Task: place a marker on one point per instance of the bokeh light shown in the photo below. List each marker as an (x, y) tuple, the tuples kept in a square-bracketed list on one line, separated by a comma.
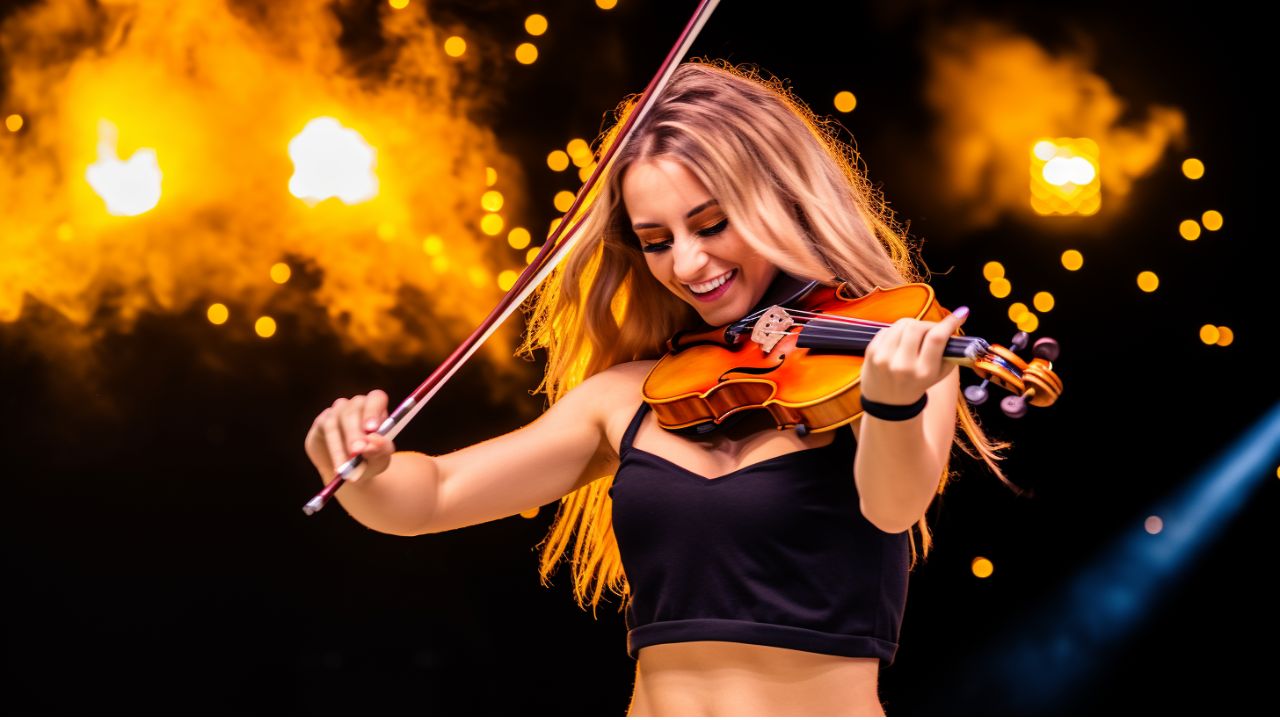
[(1209, 334), (519, 238), (579, 151), (993, 270), (845, 101), (280, 273), (13, 123), (1072, 260), (507, 279), (526, 53), (1043, 301), (1189, 229), (491, 201), (558, 160), (535, 24), (564, 200), (265, 326), (1017, 310), (1193, 168), (982, 567), (606, 4), (1001, 287), (1153, 524), (455, 46), (217, 313), (1148, 281), (1225, 336), (1212, 220), (491, 224)]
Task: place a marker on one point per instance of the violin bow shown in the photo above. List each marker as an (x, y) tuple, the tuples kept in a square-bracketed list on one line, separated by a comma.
[(546, 260)]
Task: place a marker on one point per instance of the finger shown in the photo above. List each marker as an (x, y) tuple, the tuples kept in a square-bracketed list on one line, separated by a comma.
[(956, 318), (933, 346), (333, 434), (315, 446), (375, 409), (883, 344), (351, 418), (378, 454), (908, 350)]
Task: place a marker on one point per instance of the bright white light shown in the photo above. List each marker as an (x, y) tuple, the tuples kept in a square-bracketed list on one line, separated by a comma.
[(1060, 171), (129, 188), (330, 160), (1044, 150)]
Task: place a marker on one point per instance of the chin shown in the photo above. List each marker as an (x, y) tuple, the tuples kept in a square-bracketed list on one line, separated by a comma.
[(720, 316)]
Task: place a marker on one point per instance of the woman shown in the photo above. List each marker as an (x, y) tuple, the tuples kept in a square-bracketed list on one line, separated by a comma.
[(768, 567)]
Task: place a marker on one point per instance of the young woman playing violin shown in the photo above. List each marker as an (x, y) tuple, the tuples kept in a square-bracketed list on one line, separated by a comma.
[(763, 570)]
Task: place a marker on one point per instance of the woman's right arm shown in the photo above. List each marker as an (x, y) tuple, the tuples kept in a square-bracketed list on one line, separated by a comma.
[(563, 449)]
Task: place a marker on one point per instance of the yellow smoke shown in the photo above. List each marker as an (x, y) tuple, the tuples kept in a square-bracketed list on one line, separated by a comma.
[(996, 93), (217, 91)]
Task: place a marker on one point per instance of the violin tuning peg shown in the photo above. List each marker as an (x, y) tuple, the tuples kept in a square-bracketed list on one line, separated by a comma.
[(1019, 341), (976, 394), (1046, 348), (802, 429), (1015, 406)]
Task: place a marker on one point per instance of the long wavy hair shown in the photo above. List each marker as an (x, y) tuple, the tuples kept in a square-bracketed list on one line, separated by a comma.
[(793, 190)]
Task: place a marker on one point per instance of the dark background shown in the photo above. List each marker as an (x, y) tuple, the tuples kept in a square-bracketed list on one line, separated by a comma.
[(156, 560)]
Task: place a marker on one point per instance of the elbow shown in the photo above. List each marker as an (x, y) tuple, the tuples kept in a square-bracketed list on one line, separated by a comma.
[(886, 522)]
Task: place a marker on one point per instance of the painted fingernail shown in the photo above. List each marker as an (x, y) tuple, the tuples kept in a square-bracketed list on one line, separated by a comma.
[(372, 424), (962, 311)]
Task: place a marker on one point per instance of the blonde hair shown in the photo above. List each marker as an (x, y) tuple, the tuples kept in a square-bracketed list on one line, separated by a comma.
[(793, 191)]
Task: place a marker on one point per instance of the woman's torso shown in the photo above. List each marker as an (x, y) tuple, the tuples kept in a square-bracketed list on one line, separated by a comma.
[(732, 678)]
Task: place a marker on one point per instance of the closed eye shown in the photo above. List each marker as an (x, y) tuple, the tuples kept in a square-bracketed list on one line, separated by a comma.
[(705, 232)]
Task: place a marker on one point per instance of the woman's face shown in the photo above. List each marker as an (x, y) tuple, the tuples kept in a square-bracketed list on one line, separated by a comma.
[(689, 244)]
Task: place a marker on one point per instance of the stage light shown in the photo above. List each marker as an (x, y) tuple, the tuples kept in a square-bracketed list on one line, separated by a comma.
[(1065, 177)]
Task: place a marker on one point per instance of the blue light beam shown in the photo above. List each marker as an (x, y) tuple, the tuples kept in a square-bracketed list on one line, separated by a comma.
[(1046, 655)]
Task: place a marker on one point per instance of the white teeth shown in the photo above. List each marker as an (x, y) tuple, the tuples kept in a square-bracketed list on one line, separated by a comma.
[(712, 285)]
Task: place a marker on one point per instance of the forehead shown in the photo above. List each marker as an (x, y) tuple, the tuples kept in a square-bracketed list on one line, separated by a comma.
[(661, 186)]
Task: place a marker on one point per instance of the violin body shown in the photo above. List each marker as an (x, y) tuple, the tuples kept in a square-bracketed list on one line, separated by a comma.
[(805, 370)]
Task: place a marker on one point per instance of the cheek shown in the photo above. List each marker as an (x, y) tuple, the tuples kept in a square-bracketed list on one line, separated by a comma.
[(656, 267)]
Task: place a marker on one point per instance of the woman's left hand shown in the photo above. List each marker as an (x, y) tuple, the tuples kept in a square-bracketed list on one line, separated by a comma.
[(904, 360)]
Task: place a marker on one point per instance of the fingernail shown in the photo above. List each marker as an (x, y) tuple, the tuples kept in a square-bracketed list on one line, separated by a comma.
[(372, 424), (962, 311)]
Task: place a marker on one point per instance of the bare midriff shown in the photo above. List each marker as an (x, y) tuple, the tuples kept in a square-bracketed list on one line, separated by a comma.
[(729, 678)]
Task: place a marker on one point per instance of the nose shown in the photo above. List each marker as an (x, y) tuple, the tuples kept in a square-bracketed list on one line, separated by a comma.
[(689, 258)]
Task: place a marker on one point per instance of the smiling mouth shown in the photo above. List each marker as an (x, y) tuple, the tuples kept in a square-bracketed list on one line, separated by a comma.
[(717, 291)]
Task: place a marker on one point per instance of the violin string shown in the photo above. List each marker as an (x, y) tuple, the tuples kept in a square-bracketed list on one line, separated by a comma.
[(955, 343), (805, 316)]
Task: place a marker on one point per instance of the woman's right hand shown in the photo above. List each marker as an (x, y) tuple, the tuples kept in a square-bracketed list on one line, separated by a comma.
[(346, 429)]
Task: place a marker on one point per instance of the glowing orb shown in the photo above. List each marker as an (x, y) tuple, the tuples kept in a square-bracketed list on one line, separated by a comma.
[(329, 161), (130, 187)]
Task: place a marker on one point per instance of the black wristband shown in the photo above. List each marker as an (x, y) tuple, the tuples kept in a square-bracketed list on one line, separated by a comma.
[(885, 411)]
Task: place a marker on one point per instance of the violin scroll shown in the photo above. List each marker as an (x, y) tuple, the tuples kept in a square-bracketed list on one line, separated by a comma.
[(1032, 382)]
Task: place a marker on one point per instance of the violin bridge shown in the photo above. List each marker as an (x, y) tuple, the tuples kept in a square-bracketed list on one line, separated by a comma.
[(773, 325)]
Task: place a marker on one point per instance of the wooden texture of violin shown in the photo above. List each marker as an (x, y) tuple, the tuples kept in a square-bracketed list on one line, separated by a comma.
[(708, 376)]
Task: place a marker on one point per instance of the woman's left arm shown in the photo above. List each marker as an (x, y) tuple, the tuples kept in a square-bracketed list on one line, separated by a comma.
[(899, 463)]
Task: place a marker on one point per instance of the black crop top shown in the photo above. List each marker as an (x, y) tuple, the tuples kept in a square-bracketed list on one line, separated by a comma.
[(776, 553)]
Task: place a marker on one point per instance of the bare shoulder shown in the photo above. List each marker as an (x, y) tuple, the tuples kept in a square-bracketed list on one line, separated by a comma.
[(619, 397)]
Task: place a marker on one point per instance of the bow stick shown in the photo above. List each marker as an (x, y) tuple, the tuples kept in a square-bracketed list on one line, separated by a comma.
[(533, 275)]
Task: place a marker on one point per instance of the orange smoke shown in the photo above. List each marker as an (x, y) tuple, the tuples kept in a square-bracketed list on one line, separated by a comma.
[(211, 94), (996, 93)]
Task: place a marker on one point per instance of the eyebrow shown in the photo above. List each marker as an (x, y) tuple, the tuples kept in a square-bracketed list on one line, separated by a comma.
[(691, 213)]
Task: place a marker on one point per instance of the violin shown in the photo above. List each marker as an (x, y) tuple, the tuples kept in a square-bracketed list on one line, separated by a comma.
[(800, 359)]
